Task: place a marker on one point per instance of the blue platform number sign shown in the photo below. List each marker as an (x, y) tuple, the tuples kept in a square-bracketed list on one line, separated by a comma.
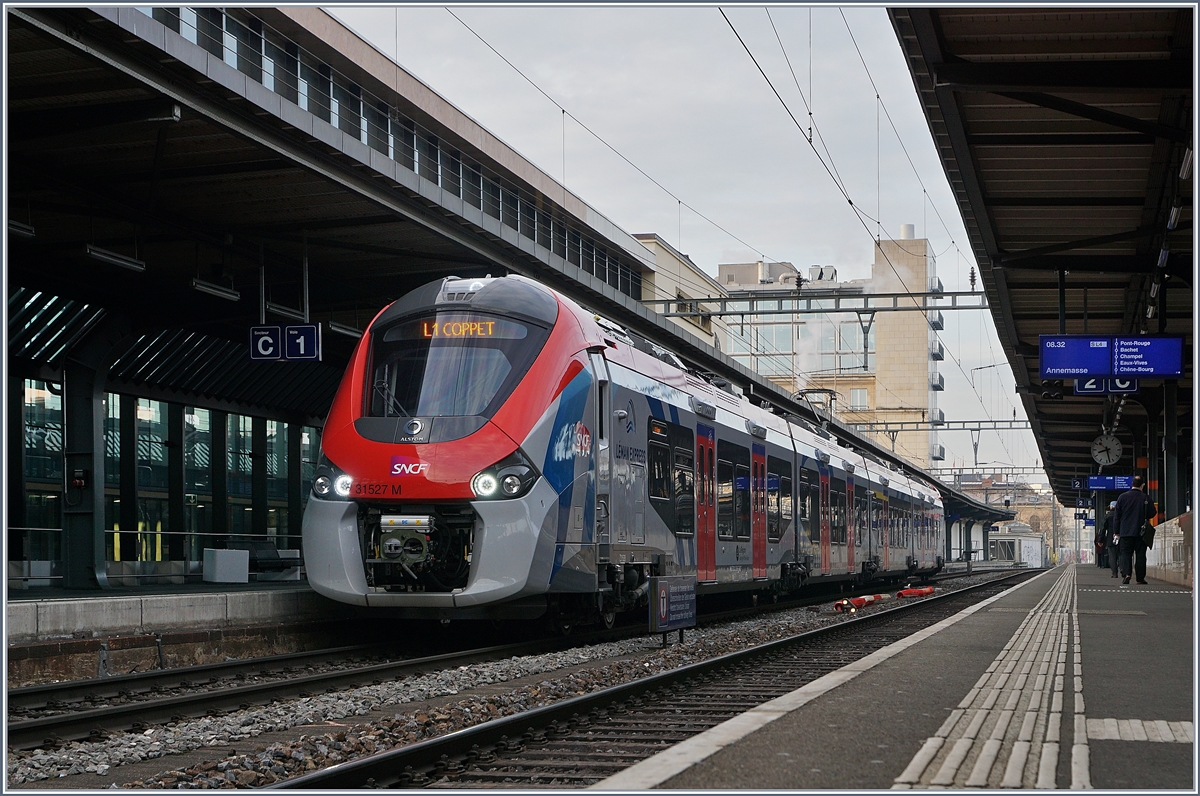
[(1148, 357), (299, 343), (1078, 483), (266, 343), (302, 342), (672, 603), (1083, 503), (1094, 385), (1074, 356), (1081, 515)]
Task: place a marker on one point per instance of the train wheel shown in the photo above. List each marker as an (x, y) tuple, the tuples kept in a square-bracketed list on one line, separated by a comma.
[(754, 600), (608, 618), (562, 626)]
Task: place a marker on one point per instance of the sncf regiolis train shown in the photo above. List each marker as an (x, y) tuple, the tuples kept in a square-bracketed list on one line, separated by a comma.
[(496, 451)]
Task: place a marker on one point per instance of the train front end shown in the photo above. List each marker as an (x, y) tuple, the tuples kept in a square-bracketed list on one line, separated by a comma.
[(432, 492)]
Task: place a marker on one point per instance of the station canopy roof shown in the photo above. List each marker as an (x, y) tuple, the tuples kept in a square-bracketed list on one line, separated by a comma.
[(1063, 133)]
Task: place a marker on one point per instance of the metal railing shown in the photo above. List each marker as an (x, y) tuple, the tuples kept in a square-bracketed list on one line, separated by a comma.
[(264, 55)]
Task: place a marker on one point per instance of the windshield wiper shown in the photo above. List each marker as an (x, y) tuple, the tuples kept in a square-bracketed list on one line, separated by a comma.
[(392, 401)]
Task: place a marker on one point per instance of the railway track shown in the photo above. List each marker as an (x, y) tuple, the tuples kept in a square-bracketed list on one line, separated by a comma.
[(580, 741), (47, 715)]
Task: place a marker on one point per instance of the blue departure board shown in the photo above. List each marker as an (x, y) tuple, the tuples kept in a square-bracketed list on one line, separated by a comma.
[(1074, 355), (1147, 357)]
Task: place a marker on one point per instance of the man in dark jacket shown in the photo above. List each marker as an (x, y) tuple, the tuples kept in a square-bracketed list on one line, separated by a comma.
[(1112, 540), (1133, 509)]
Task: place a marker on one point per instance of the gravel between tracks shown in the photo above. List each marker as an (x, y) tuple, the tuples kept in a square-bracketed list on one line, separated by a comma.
[(588, 669)]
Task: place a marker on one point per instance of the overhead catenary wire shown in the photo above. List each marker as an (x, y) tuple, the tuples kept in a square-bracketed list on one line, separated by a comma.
[(832, 174), (599, 138)]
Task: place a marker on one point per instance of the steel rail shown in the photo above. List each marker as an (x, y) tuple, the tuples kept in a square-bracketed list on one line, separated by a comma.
[(410, 765)]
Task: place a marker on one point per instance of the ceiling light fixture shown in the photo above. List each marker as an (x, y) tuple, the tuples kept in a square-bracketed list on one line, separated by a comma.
[(1163, 254), (286, 312), (114, 258), (19, 229), (342, 328), (1176, 212), (1185, 169), (220, 291)]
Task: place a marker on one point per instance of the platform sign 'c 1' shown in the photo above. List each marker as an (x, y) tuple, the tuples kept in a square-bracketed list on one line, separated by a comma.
[(296, 343)]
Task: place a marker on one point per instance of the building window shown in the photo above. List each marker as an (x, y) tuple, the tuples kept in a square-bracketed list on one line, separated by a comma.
[(858, 399)]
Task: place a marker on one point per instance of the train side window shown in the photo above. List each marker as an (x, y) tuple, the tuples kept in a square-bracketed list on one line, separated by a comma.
[(660, 471), (860, 516), (741, 501), (837, 506), (724, 499), (785, 504), (685, 501), (773, 510), (809, 506)]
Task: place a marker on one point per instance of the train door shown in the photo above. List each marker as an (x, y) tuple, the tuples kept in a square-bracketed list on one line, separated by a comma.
[(603, 424), (706, 506), (885, 528), (851, 523), (826, 553), (758, 509)]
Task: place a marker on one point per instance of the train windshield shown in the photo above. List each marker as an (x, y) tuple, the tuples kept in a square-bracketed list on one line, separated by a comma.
[(450, 364)]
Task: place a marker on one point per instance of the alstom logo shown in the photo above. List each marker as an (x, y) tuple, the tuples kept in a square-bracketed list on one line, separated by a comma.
[(402, 465)]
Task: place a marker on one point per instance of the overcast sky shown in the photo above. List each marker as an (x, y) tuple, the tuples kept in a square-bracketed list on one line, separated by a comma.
[(673, 90)]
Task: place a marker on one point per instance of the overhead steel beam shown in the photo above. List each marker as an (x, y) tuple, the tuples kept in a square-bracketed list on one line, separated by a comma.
[(820, 303), (944, 425), (983, 469), (1066, 201), (1060, 139), (1082, 243), (1056, 75), (1095, 114)]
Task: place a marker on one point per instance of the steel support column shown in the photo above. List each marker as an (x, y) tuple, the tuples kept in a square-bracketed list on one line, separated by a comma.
[(176, 484), (258, 476), (127, 513), (1173, 503), (84, 413), (219, 461), (295, 489), (15, 462)]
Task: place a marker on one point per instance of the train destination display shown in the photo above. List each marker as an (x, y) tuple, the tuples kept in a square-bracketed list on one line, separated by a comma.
[(1119, 483), (1084, 357)]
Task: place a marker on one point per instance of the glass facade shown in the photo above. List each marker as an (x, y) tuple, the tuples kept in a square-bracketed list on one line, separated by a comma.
[(148, 544)]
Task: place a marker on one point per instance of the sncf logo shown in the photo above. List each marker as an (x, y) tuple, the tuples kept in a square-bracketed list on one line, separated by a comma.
[(571, 441), (402, 465)]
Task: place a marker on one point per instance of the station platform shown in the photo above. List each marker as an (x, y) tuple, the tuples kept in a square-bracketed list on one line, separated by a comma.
[(58, 634), (1070, 680)]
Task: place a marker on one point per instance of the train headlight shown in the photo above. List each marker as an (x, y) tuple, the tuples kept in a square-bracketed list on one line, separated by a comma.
[(330, 482), (484, 485), (511, 477)]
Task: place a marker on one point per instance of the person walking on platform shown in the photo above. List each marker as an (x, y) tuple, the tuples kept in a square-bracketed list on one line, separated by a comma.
[(1112, 539), (1133, 509), (1100, 546)]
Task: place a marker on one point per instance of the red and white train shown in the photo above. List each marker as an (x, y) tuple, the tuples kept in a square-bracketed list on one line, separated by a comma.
[(495, 450)]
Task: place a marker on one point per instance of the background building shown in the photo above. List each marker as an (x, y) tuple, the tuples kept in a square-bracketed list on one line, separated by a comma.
[(878, 367), (676, 276)]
